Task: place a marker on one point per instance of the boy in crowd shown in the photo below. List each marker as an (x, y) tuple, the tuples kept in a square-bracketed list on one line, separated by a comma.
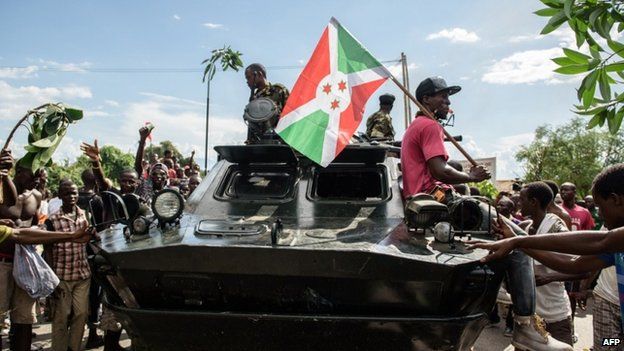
[(597, 250), (552, 302), (70, 300)]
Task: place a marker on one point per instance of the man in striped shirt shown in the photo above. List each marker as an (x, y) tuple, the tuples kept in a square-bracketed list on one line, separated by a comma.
[(69, 262)]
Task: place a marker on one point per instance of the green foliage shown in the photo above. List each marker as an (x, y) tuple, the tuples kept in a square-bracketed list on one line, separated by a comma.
[(486, 188), (229, 59), (113, 161), (570, 153), (590, 19), (46, 126)]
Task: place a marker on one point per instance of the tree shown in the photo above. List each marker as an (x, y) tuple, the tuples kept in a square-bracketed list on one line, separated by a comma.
[(229, 59), (593, 22), (570, 153)]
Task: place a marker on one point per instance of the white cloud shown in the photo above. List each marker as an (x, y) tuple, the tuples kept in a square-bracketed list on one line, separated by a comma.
[(171, 99), (212, 25), (19, 72), (455, 35), (397, 71), (15, 101), (96, 113), (43, 65), (564, 35), (112, 103), (524, 67), (65, 67), (532, 66), (176, 17)]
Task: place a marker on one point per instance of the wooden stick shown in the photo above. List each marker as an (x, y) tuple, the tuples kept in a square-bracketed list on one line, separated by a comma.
[(8, 141), (430, 115)]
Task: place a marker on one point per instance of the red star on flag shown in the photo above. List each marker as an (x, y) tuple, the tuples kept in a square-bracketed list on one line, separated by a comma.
[(335, 104), (342, 85), (326, 88)]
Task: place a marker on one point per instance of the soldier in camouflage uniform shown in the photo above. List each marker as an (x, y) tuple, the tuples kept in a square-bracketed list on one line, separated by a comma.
[(379, 124), (255, 74)]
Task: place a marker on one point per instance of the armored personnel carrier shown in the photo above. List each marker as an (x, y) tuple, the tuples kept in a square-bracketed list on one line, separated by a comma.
[(273, 252)]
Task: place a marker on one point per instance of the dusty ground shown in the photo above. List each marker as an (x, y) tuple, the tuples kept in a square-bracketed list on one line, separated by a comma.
[(491, 338)]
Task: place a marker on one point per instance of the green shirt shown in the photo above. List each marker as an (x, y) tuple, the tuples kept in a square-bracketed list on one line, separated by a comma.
[(597, 220), (5, 232)]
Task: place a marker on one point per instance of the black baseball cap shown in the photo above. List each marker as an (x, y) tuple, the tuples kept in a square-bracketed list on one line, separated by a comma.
[(433, 85)]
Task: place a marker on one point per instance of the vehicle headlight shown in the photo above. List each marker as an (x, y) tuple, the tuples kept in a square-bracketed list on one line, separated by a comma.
[(140, 225), (167, 205), (443, 232)]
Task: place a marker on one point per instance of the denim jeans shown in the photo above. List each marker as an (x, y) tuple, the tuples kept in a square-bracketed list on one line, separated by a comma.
[(521, 279)]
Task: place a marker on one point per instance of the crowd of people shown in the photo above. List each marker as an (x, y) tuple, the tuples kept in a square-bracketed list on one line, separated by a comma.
[(30, 214), (532, 224), (544, 283)]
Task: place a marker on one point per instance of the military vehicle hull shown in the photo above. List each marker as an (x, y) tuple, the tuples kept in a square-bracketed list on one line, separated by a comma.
[(301, 265)]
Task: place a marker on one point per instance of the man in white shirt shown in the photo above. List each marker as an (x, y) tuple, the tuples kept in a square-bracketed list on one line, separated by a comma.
[(552, 302)]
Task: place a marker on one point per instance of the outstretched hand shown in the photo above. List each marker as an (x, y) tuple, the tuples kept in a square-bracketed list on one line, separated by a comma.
[(83, 235), (91, 151), (501, 229), (498, 249), (8, 223)]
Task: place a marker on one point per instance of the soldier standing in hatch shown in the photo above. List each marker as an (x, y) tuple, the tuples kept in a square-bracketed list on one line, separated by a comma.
[(255, 74), (379, 124)]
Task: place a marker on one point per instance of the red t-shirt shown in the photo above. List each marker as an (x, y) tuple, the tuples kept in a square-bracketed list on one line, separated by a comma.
[(171, 173), (423, 140), (581, 218)]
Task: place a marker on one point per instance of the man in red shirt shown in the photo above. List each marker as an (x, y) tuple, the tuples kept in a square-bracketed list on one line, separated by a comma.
[(425, 169), (423, 155), (581, 217)]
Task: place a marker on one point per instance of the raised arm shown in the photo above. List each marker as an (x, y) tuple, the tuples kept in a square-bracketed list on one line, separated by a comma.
[(569, 265), (138, 159), (9, 192), (190, 164), (93, 153)]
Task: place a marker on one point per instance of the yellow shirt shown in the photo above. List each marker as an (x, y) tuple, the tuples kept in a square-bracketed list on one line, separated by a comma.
[(5, 232)]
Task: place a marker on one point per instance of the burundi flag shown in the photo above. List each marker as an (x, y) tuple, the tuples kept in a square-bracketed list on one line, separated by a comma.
[(326, 104)]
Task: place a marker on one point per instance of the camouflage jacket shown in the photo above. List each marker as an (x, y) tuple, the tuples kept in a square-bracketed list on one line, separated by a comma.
[(379, 126), (276, 92)]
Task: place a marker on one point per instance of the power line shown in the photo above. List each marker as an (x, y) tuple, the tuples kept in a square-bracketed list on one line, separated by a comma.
[(142, 70)]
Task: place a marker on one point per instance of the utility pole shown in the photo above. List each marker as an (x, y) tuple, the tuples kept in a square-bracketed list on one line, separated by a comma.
[(407, 108), (207, 124)]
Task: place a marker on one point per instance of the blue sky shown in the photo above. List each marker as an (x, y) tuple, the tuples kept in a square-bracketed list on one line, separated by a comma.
[(62, 51)]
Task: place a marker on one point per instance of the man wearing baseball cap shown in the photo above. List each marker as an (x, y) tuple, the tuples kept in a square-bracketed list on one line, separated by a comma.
[(425, 170), (423, 155)]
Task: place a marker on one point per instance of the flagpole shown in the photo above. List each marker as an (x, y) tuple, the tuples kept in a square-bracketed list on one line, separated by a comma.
[(430, 115)]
